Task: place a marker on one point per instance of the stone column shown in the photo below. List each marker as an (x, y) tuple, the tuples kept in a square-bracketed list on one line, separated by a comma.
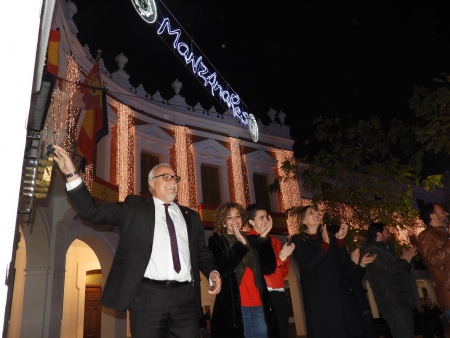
[(42, 302)]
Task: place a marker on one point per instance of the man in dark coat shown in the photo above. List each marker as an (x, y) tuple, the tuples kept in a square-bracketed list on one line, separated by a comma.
[(389, 279), (155, 273)]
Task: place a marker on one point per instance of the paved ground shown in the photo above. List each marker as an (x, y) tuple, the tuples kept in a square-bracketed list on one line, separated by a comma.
[(292, 333)]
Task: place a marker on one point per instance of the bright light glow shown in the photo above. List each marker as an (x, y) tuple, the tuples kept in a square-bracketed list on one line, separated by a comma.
[(290, 192), (199, 69), (185, 167), (125, 151)]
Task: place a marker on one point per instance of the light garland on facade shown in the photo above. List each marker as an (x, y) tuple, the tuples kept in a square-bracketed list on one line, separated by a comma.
[(185, 167), (246, 186), (88, 176), (73, 113), (193, 203), (125, 151), (290, 192), (56, 118), (64, 115), (238, 168)]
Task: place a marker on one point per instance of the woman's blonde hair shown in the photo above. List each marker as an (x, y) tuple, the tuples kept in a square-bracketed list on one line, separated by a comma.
[(220, 216)]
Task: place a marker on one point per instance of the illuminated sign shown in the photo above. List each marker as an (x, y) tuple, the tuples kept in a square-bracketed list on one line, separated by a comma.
[(146, 9), (253, 128), (199, 68)]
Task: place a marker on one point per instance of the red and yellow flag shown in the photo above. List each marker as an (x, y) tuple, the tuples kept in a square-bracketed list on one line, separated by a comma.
[(92, 97), (53, 52)]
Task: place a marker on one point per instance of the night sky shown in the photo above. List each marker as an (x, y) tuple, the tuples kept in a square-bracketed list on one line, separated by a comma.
[(306, 58)]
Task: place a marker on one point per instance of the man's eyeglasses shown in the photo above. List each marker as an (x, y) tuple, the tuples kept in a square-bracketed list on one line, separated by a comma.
[(168, 177)]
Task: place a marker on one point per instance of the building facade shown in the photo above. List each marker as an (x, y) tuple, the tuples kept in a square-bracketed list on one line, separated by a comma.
[(62, 261)]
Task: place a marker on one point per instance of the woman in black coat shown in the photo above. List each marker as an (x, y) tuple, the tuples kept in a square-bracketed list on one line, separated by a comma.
[(242, 307), (325, 267)]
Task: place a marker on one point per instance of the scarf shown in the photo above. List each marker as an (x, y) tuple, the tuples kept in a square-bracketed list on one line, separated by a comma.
[(249, 260)]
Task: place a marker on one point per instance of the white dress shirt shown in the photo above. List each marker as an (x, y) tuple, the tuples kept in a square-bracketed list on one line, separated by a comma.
[(160, 266)]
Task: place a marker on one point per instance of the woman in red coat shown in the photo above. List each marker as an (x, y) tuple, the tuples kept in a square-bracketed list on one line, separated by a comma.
[(242, 308)]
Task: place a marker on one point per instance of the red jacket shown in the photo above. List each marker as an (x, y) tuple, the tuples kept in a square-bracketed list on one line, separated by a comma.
[(276, 279)]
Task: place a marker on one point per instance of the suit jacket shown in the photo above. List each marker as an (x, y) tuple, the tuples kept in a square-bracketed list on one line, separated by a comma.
[(135, 218)]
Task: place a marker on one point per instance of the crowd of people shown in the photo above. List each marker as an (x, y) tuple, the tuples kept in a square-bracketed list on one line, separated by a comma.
[(162, 250)]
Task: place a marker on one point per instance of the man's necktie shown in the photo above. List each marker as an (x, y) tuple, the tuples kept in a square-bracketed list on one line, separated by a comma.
[(173, 240)]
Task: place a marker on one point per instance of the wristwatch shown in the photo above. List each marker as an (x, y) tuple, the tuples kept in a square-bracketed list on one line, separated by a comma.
[(71, 174)]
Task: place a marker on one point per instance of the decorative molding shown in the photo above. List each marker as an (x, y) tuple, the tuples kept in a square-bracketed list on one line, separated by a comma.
[(153, 131), (261, 157), (212, 148)]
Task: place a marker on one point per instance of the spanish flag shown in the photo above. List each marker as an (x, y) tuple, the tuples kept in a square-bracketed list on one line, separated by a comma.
[(91, 97), (53, 52)]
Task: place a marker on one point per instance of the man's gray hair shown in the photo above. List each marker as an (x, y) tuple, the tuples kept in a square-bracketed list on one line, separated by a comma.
[(150, 174)]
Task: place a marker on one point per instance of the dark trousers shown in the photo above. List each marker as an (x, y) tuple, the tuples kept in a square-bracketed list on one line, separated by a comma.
[(160, 311), (400, 321), (280, 304), (436, 326)]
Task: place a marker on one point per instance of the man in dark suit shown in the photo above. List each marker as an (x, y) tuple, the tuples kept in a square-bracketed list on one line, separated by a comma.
[(155, 273)]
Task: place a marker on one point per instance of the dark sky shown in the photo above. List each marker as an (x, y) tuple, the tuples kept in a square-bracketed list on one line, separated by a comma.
[(306, 58)]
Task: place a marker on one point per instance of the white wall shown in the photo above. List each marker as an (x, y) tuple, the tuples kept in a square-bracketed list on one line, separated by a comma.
[(19, 37)]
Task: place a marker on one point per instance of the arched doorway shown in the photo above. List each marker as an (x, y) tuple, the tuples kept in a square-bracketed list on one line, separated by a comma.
[(81, 260)]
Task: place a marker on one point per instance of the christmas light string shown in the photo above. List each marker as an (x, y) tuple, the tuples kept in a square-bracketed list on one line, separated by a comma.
[(73, 113), (290, 192), (185, 167), (125, 151)]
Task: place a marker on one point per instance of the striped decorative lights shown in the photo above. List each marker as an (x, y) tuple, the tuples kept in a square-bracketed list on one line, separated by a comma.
[(125, 151), (185, 167), (238, 168), (56, 121), (290, 192), (73, 113)]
